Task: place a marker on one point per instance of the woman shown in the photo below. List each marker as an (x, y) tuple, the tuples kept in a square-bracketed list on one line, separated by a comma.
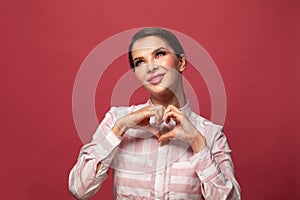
[(160, 149)]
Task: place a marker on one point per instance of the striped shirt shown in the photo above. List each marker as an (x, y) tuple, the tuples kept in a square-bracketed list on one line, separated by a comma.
[(147, 169)]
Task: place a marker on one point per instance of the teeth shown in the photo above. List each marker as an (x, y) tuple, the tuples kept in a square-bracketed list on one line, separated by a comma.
[(154, 79)]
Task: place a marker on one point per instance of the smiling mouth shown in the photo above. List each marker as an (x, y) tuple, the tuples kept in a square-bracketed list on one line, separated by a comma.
[(155, 79)]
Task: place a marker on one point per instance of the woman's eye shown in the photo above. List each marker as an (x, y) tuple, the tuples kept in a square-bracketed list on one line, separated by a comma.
[(138, 63), (160, 53)]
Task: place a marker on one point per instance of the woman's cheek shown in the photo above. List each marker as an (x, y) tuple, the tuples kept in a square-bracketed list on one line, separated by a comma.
[(140, 76), (171, 63), (166, 64)]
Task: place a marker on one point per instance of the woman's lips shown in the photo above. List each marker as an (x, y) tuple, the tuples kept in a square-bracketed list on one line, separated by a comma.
[(155, 79)]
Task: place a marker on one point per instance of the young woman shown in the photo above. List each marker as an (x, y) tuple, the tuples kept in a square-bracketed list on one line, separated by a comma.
[(160, 149)]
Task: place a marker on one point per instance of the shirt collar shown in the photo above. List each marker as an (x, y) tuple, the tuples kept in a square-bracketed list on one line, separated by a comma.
[(186, 109)]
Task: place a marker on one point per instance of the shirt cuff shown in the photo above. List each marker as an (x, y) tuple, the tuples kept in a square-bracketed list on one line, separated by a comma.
[(103, 149), (204, 164)]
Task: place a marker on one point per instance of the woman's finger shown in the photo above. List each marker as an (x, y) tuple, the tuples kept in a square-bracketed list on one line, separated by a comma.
[(166, 136), (170, 108), (177, 117), (157, 112)]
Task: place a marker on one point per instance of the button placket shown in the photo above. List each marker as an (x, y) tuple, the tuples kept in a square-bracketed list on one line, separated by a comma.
[(160, 171)]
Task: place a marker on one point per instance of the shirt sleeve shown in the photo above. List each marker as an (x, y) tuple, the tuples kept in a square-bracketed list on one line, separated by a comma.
[(214, 167), (83, 179)]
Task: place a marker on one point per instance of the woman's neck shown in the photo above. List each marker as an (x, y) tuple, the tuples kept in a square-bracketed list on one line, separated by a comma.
[(169, 98)]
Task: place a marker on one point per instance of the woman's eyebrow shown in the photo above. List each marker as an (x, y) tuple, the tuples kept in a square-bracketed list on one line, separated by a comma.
[(137, 58), (158, 49), (153, 52)]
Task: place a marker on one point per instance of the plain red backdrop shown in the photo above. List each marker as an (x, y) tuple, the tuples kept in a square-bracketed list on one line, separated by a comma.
[(255, 45)]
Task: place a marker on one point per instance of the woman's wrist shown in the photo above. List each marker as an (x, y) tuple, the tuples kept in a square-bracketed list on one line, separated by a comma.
[(198, 143), (119, 129)]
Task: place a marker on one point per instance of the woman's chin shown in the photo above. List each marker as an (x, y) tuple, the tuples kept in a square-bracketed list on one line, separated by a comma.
[(157, 89)]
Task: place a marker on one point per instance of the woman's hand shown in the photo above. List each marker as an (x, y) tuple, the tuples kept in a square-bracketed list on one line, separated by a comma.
[(183, 130), (140, 119)]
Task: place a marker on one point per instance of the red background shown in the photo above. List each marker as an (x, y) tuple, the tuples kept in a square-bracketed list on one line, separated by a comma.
[(255, 45)]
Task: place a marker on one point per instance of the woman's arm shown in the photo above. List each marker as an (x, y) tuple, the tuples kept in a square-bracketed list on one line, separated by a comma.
[(84, 178), (211, 160), (214, 167), (95, 158)]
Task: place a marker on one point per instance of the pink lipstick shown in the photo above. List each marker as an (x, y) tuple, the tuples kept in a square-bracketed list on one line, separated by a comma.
[(155, 79)]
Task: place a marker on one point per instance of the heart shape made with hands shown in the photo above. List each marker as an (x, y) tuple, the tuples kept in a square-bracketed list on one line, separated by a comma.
[(164, 126)]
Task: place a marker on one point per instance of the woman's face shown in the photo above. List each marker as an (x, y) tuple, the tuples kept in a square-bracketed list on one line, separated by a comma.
[(156, 65)]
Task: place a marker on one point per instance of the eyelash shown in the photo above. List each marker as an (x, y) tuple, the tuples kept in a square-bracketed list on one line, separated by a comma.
[(157, 54), (138, 63)]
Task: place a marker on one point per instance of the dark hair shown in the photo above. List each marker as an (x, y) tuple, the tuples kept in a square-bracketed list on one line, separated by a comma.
[(164, 34)]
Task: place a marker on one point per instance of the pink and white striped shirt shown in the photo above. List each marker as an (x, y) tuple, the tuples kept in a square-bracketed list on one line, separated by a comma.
[(146, 169)]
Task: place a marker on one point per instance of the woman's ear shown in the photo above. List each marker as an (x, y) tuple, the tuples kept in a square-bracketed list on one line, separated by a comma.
[(182, 63)]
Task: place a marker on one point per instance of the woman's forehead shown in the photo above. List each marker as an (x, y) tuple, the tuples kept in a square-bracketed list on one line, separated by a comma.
[(150, 42)]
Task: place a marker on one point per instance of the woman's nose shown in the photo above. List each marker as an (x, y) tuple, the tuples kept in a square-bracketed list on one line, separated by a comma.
[(152, 67)]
